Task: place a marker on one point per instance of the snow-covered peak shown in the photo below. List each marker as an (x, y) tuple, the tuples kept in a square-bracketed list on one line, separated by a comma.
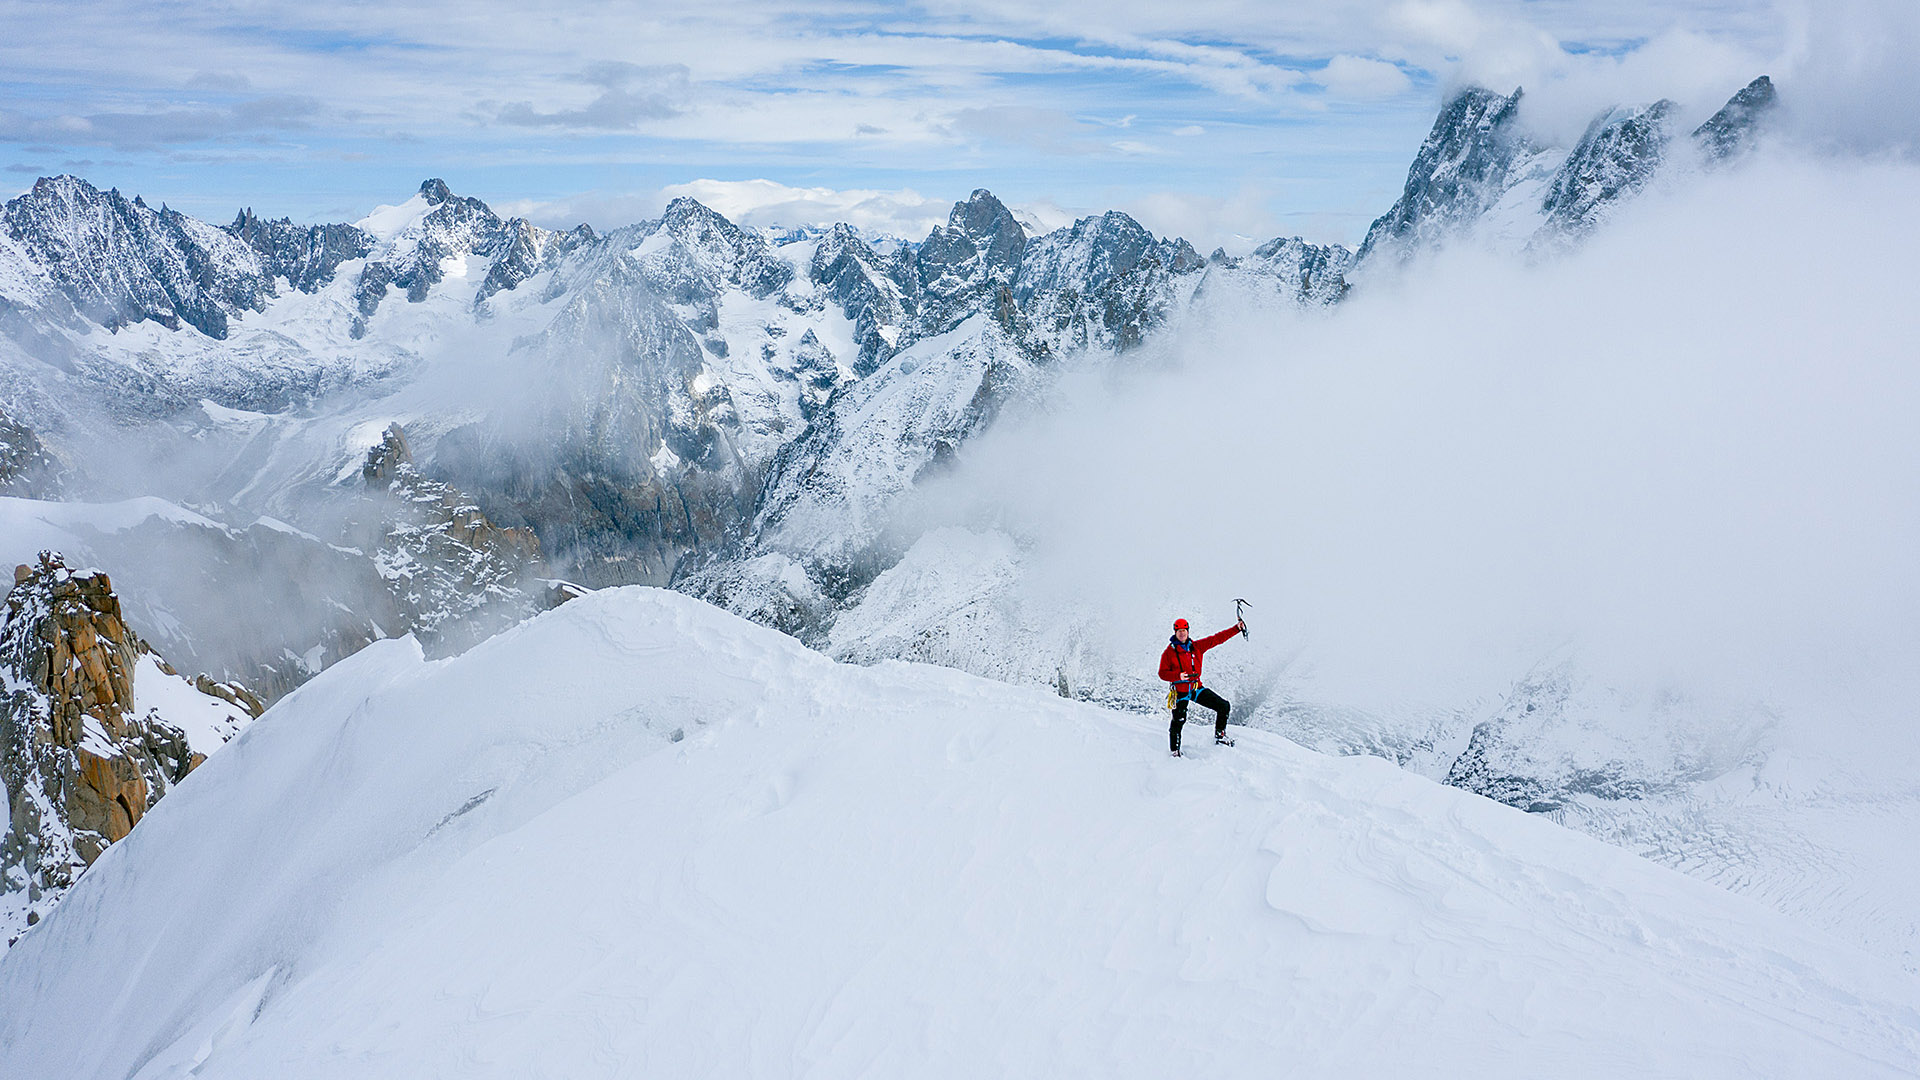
[(120, 261), (1459, 172), (1734, 127), (987, 223), (1619, 154), (387, 222), (1086, 254)]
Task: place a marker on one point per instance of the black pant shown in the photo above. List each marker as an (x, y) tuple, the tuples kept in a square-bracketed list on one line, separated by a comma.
[(1206, 697)]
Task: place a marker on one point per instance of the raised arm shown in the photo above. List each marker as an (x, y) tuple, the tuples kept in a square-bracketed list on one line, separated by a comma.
[(1211, 640)]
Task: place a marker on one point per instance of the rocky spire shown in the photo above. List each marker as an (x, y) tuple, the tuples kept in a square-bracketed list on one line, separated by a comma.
[(27, 469), (1619, 154), (1460, 171), (456, 576), (81, 763), (1732, 129), (962, 263), (305, 255)]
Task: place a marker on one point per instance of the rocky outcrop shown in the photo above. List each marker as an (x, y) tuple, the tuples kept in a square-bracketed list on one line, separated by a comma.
[(82, 762), (456, 576), (27, 470), (1619, 155), (1103, 283), (305, 255), (1733, 130), (1460, 172)]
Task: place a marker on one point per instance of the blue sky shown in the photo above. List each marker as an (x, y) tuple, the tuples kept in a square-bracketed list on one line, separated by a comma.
[(1204, 118)]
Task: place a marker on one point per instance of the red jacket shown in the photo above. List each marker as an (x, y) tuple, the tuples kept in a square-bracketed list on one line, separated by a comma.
[(1182, 666)]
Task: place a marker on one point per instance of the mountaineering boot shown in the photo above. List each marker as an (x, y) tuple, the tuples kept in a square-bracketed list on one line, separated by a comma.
[(1220, 739), (1176, 751)]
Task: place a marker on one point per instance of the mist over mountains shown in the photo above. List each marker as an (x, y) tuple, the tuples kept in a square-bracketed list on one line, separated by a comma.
[(1014, 454)]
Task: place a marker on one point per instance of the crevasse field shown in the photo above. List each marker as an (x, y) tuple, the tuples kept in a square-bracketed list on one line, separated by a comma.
[(639, 837)]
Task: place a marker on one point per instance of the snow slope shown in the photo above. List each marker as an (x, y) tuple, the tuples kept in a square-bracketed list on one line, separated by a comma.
[(636, 836)]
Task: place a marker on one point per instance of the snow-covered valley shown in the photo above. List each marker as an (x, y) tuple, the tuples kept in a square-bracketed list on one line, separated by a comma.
[(639, 836)]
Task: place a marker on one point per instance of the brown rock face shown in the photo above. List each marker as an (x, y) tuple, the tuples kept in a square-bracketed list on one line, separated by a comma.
[(80, 766)]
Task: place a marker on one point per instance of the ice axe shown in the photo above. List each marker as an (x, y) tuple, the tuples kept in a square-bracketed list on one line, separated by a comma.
[(1237, 605)]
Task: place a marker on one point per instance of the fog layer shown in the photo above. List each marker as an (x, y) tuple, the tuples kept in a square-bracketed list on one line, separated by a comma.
[(1687, 451)]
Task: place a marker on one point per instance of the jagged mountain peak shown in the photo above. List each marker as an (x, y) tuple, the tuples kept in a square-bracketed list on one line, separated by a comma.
[(1471, 110), (686, 211), (1731, 129), (703, 250), (305, 255), (699, 226), (120, 262), (64, 185), (435, 191), (1619, 154), (986, 226), (1460, 172)]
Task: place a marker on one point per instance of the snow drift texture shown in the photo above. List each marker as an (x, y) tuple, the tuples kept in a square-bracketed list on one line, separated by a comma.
[(637, 836)]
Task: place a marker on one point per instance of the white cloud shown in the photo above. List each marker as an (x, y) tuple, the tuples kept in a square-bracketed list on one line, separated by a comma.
[(750, 203), (1484, 460), (905, 212), (1356, 78), (601, 209), (1189, 131), (1044, 216), (1848, 72), (1237, 223)]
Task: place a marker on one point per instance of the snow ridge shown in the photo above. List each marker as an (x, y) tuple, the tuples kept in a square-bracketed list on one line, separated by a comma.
[(897, 869)]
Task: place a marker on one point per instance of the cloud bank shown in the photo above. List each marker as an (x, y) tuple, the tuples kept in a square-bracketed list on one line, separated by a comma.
[(1687, 452)]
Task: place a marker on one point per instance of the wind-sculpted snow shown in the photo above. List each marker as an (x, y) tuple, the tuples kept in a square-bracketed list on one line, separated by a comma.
[(638, 835)]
